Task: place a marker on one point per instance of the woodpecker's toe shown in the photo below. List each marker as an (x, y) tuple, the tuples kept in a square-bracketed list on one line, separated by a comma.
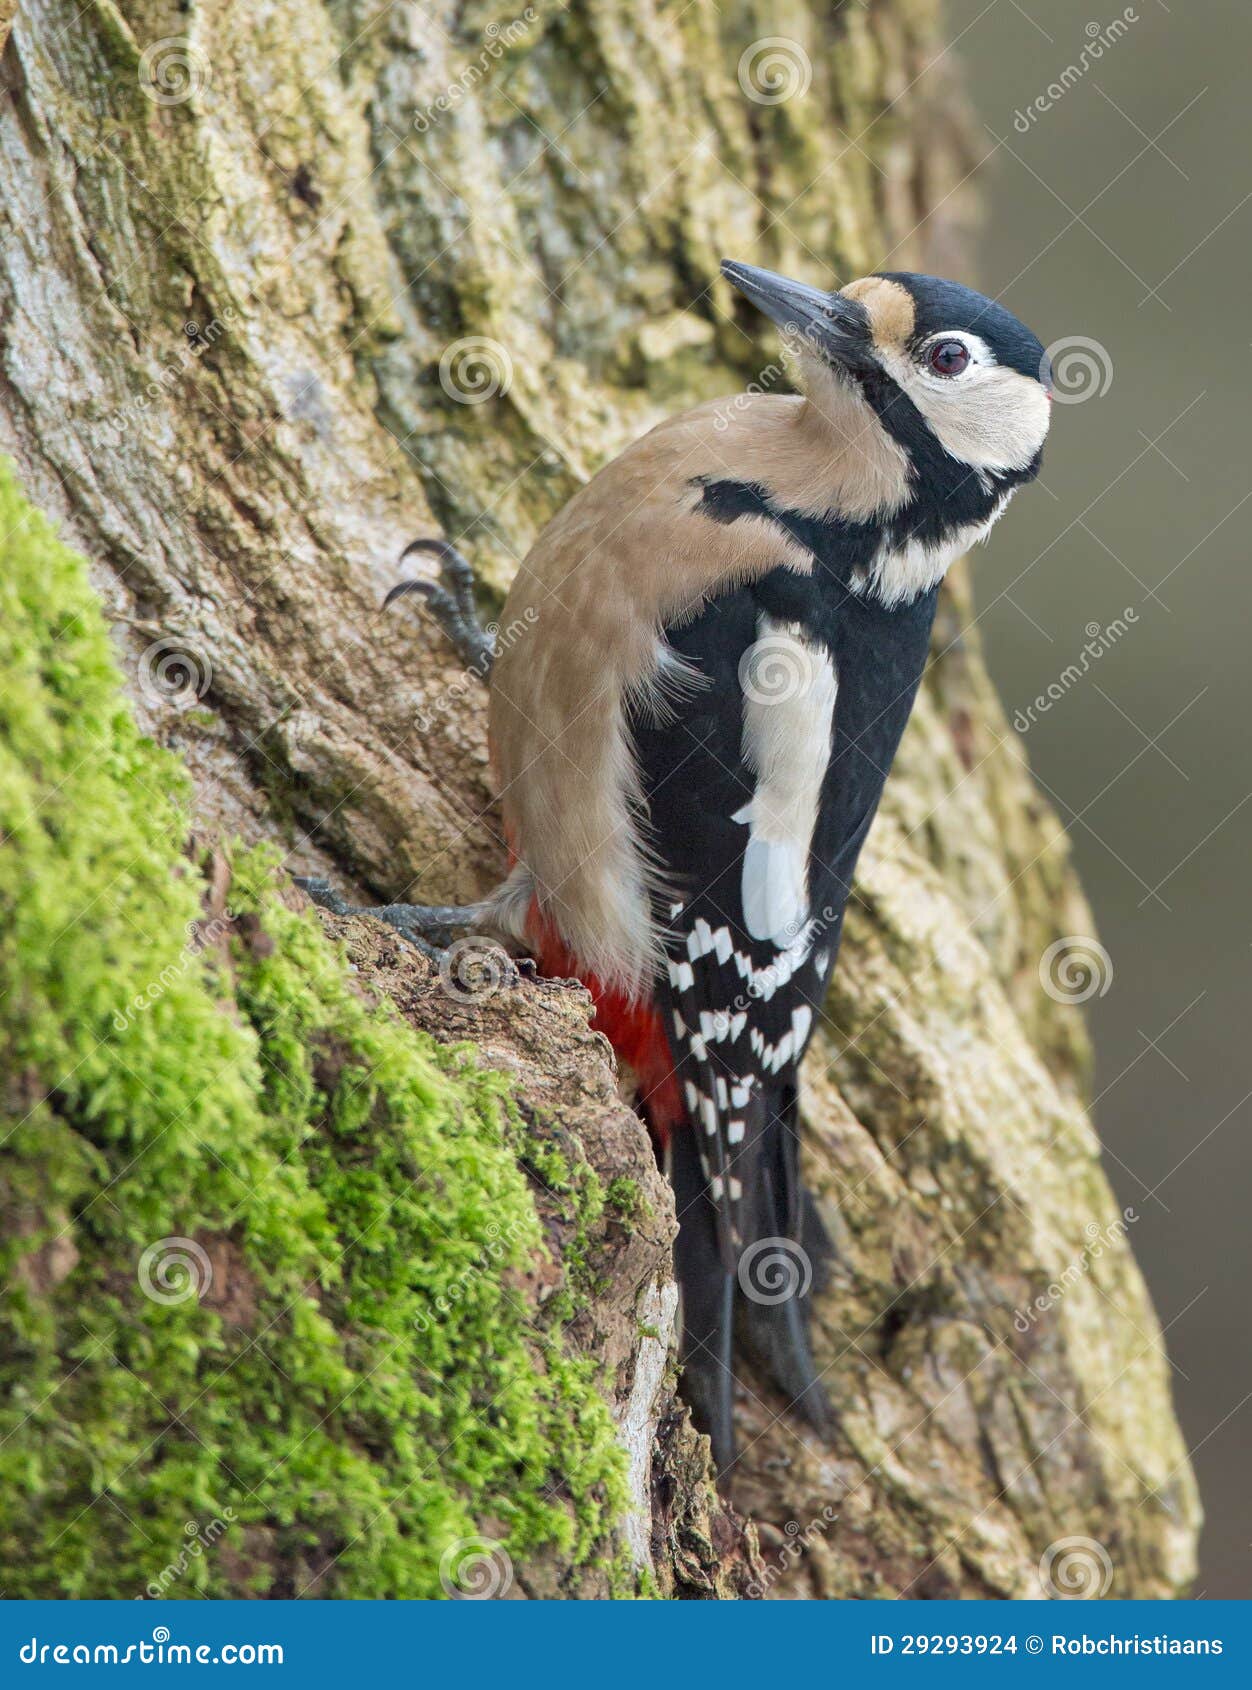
[(431, 928), (323, 894), (451, 602)]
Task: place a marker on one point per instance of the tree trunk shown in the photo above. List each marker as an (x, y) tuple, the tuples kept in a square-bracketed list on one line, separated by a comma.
[(283, 287)]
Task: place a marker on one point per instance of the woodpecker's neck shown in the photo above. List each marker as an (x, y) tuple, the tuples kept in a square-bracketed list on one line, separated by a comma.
[(853, 474), (858, 469), (917, 507)]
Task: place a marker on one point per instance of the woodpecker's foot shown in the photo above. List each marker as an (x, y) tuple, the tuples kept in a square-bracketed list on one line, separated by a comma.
[(451, 604), (432, 928)]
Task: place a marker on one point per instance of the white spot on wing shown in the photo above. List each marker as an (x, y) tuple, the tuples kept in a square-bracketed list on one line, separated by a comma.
[(764, 982), (775, 885), (787, 733)]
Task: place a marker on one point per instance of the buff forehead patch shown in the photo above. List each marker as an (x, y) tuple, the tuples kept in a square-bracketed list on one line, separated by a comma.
[(892, 314)]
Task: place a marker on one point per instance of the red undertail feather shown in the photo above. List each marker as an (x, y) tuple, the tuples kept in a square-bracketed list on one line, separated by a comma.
[(634, 1029)]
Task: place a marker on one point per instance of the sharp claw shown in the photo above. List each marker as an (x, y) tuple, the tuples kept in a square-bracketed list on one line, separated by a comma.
[(425, 588), (451, 604), (436, 547)]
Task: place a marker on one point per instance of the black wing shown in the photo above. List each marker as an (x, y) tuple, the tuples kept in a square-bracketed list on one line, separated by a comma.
[(741, 1006)]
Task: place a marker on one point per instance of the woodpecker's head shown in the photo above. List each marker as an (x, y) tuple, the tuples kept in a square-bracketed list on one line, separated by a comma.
[(923, 354)]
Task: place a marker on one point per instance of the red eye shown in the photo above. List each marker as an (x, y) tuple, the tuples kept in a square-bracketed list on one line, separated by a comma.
[(948, 357)]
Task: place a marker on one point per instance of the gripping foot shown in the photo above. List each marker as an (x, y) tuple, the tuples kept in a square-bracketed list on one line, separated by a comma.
[(469, 968), (430, 927), (451, 604)]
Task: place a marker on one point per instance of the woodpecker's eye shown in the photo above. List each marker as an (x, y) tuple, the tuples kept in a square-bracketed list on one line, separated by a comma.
[(948, 357)]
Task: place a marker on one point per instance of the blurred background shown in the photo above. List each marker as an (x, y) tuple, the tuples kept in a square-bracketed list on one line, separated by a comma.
[(1116, 212)]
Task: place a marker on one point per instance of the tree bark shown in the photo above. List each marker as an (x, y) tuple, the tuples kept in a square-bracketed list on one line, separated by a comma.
[(283, 287)]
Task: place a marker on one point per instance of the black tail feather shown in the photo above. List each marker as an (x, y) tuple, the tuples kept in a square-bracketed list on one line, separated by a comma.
[(786, 1256), (776, 1289), (708, 1303)]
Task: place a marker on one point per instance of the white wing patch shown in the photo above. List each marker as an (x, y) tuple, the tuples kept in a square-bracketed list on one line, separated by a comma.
[(775, 883), (789, 688)]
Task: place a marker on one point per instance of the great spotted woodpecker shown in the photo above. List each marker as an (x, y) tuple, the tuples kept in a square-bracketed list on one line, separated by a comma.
[(726, 631)]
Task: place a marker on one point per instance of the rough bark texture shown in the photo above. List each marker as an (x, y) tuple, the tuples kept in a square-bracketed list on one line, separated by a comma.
[(239, 248)]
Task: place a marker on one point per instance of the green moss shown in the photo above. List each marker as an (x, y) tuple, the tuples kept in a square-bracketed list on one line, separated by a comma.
[(575, 1189), (646, 1587), (357, 1384), (625, 1197)]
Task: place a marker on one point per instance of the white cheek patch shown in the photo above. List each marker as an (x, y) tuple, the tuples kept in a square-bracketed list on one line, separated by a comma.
[(990, 417), (788, 721)]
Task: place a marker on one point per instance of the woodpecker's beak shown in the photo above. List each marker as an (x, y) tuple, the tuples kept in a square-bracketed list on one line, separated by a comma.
[(832, 325)]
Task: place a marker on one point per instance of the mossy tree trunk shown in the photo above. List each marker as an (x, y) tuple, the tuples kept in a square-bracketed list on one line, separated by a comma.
[(283, 288)]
